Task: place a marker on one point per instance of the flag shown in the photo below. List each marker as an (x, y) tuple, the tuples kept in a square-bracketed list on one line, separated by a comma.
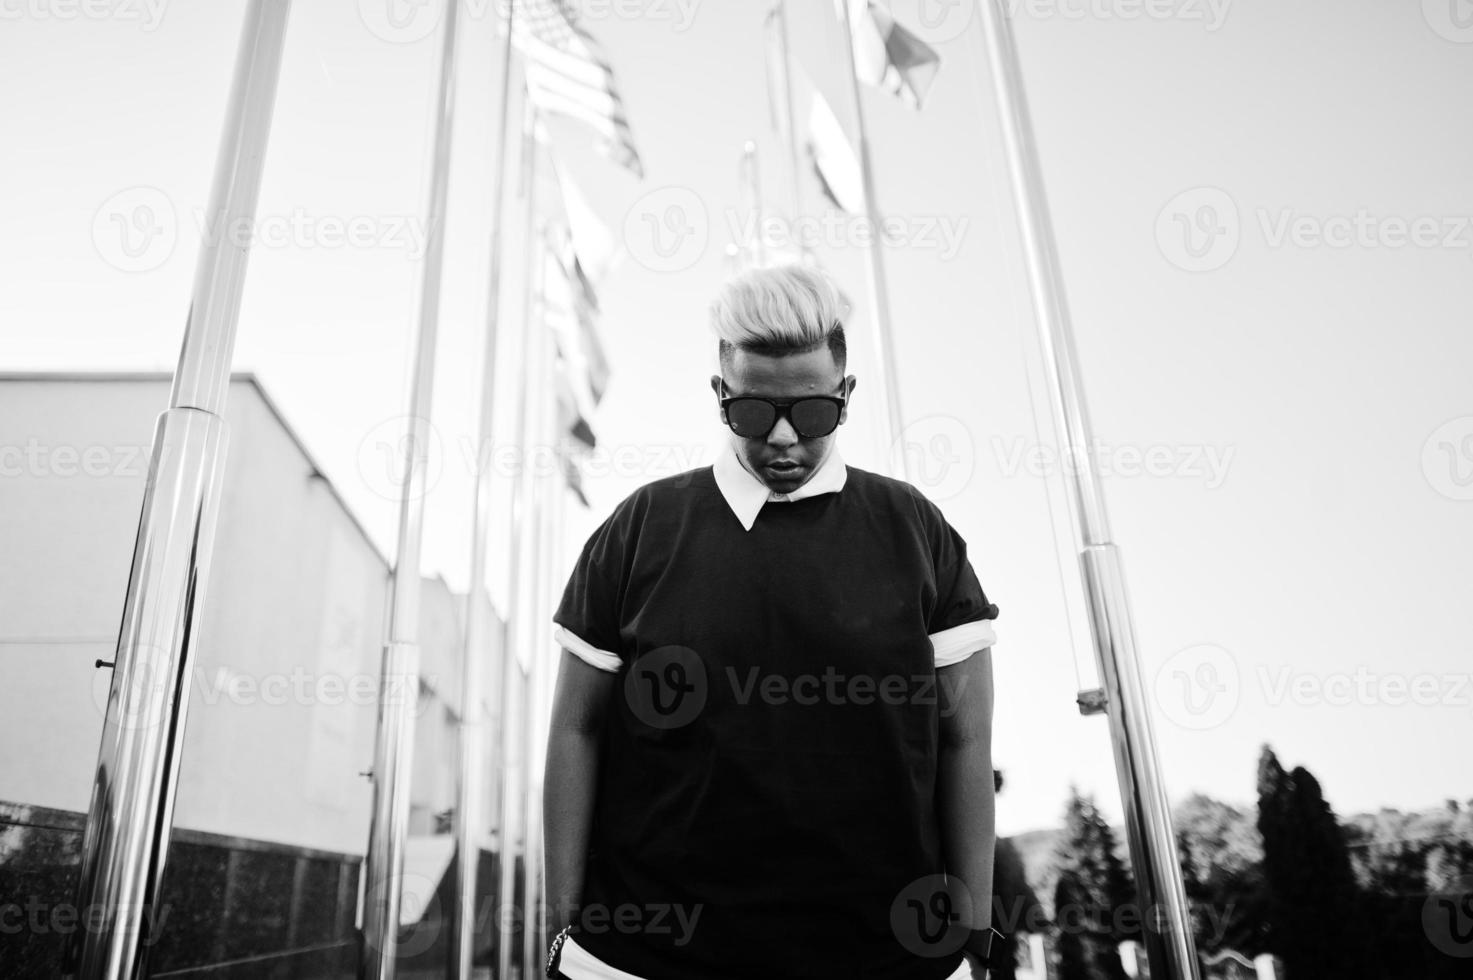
[(832, 155), (568, 75), (888, 56), (573, 474), (570, 415), (570, 309)]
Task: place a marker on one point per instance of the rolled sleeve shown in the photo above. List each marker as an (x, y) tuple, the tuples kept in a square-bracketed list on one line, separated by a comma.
[(960, 623), (587, 618)]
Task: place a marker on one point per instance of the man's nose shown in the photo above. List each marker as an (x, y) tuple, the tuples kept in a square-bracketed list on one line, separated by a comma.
[(782, 434)]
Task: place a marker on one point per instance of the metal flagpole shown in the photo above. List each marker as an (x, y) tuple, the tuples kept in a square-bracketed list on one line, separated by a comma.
[(510, 768), (131, 811), (791, 124), (539, 637), (399, 685), (879, 290), (1168, 934), (470, 786)]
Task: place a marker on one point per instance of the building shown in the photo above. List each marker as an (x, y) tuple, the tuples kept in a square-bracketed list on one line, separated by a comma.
[(272, 814)]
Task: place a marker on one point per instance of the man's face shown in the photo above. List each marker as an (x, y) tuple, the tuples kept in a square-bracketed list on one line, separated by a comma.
[(783, 460)]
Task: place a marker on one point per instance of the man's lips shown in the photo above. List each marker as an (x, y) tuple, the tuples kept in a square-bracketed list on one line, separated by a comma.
[(785, 466)]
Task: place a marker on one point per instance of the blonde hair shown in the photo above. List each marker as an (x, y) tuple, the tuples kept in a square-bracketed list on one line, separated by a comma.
[(784, 309)]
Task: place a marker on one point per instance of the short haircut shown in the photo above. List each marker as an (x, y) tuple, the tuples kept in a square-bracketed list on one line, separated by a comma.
[(777, 311)]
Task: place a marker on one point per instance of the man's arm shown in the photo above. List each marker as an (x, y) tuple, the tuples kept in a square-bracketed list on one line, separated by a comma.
[(570, 782), (966, 791)]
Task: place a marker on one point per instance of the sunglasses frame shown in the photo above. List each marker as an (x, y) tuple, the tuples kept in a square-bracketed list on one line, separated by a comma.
[(782, 409)]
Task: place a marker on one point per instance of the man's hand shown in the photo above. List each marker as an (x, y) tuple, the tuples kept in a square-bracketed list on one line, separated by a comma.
[(978, 971)]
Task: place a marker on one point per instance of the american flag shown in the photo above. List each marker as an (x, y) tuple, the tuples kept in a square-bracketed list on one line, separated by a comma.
[(569, 75)]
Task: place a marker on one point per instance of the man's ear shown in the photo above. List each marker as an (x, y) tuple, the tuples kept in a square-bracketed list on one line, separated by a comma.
[(716, 384)]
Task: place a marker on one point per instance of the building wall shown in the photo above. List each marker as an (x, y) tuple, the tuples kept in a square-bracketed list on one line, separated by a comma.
[(284, 688)]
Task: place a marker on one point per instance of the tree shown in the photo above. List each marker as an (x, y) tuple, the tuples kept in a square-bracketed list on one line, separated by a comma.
[(1222, 869), (1313, 901), (1094, 890)]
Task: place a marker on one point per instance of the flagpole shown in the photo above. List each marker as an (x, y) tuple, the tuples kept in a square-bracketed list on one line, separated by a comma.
[(131, 811), (399, 685), (470, 787), (792, 125), (544, 487), (511, 764), (888, 376), (752, 193), (1168, 935)]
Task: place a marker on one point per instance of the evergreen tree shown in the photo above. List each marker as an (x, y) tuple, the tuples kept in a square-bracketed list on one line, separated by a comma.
[(1313, 906)]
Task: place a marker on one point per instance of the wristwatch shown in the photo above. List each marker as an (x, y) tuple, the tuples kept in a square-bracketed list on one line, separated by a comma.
[(979, 944)]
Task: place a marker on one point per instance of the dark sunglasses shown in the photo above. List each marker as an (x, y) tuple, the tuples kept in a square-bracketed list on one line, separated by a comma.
[(812, 416)]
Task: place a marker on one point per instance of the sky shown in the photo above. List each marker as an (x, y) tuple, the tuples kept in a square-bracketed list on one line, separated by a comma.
[(1263, 219)]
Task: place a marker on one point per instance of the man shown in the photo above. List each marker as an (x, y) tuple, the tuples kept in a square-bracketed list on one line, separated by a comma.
[(770, 752)]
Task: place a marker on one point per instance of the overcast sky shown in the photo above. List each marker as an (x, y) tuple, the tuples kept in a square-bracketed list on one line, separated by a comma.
[(1263, 215)]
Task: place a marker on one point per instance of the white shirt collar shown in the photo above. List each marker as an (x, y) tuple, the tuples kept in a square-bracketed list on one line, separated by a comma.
[(745, 494)]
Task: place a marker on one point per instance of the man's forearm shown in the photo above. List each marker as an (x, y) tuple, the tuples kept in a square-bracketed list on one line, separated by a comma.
[(969, 822), (569, 785)]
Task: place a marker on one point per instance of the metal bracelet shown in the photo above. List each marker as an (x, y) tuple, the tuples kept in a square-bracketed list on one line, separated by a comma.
[(555, 953)]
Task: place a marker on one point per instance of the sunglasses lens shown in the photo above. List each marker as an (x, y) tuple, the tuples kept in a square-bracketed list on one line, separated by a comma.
[(814, 417), (749, 418)]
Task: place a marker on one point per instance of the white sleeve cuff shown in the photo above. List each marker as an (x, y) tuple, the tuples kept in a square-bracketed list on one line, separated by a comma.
[(954, 645), (590, 655)]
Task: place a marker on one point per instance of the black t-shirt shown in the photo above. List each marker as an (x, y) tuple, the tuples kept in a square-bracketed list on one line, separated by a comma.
[(767, 783)]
